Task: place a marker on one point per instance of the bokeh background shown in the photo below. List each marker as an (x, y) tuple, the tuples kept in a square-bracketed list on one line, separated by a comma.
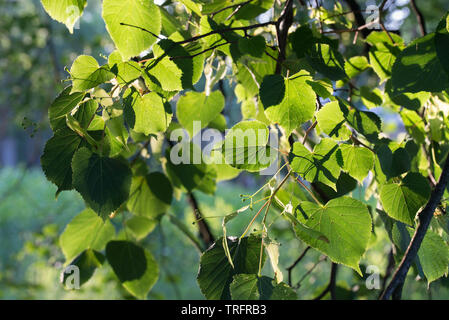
[(34, 52)]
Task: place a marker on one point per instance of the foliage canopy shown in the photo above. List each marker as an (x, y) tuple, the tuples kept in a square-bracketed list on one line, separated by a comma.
[(294, 81)]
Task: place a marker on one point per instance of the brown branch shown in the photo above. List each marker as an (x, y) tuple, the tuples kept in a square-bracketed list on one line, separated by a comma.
[(282, 25), (388, 270), (205, 233), (140, 28), (201, 52), (331, 286), (419, 17), (360, 20), (309, 129), (203, 228), (294, 264), (321, 259), (424, 217), (237, 6), (220, 31)]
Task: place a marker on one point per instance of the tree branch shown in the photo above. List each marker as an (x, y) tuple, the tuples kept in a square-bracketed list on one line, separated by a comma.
[(294, 264), (425, 216), (206, 235), (237, 5), (331, 286), (419, 17), (360, 20), (220, 31), (282, 25)]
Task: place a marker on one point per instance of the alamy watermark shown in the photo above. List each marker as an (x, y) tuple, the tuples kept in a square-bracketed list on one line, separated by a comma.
[(373, 280), (242, 147), (69, 277)]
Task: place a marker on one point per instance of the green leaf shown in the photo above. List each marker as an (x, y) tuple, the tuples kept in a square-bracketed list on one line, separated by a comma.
[(331, 121), (247, 10), (323, 88), (170, 24), (297, 105), (401, 201), (414, 124), (224, 171), (150, 195), (140, 227), (392, 164), (166, 74), (126, 72), (300, 229), (302, 41), (56, 160), (254, 46), (345, 184), (252, 287), (253, 9), (412, 101), (103, 182), (272, 90), (418, 68), (345, 222), (192, 6), (219, 123), (366, 123), (65, 11), (245, 146), (87, 262), (64, 103), (196, 106), (87, 74), (145, 15), (208, 184), (356, 65), (327, 61), (383, 52), (174, 68), (433, 256), (186, 173), (227, 42), (117, 134), (135, 267), (85, 231), (85, 113), (371, 98), (215, 273), (320, 165), (146, 114), (442, 42), (357, 161)]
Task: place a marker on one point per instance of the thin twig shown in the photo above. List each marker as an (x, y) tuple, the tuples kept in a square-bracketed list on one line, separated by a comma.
[(294, 264), (309, 129), (203, 228), (419, 17), (305, 275), (201, 52), (230, 7), (425, 216), (220, 31), (142, 29), (283, 24), (331, 286)]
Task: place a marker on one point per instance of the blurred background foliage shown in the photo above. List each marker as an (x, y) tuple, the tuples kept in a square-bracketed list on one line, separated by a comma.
[(34, 52)]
